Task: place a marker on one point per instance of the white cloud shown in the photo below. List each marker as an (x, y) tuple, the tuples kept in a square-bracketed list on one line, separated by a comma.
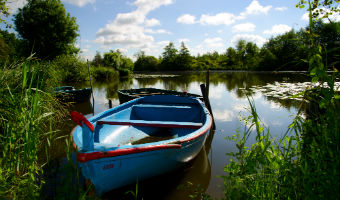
[(255, 8), (163, 43), (15, 5), (186, 19), (246, 27), (248, 37), (281, 8), (158, 31), (128, 30), (152, 22), (305, 17), (185, 40), (79, 3), (215, 42), (218, 19), (224, 115), (278, 29), (146, 6)]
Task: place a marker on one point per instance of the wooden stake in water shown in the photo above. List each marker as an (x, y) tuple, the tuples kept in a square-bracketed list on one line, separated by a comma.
[(205, 94), (88, 66)]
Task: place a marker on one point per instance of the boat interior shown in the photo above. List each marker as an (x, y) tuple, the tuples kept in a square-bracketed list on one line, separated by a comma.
[(147, 122)]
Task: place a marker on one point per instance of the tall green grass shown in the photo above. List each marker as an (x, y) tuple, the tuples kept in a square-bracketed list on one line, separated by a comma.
[(266, 169), (305, 162), (26, 129)]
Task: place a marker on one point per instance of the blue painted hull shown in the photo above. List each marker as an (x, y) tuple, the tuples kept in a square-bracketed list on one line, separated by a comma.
[(116, 160)]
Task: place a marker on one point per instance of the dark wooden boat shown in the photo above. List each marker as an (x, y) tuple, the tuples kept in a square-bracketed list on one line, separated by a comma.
[(140, 139), (128, 95), (70, 94)]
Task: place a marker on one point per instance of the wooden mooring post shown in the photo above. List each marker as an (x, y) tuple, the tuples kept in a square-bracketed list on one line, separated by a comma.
[(205, 94), (88, 66)]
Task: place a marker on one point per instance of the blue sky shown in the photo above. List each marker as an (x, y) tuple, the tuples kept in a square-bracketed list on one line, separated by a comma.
[(203, 25)]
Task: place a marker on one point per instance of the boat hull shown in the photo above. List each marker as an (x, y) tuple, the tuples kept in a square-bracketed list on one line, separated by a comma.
[(121, 162), (114, 172)]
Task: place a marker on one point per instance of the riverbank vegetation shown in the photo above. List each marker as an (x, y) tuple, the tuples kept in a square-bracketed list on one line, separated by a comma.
[(304, 163)]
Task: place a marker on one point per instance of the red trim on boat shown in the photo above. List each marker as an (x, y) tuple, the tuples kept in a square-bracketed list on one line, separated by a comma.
[(194, 126), (81, 119), (74, 144), (84, 157), (199, 134)]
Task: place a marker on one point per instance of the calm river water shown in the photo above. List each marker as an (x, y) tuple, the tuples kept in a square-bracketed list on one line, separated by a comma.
[(270, 92)]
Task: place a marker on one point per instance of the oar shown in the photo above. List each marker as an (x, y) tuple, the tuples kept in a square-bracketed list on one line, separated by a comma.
[(81, 119)]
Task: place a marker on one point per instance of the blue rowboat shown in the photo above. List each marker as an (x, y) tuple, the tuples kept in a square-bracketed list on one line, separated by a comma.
[(140, 139)]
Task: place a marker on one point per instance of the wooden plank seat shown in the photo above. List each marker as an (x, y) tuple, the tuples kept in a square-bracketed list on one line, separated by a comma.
[(164, 124)]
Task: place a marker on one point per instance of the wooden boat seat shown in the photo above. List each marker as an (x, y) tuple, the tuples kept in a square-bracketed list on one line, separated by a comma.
[(164, 124)]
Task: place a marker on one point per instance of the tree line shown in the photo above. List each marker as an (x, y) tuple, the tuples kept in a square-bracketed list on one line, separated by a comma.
[(49, 39), (285, 52)]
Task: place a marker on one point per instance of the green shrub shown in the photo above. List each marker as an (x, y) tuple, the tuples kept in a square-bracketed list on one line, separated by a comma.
[(104, 73), (70, 68), (124, 72)]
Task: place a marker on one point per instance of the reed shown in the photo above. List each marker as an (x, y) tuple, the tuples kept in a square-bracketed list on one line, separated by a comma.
[(27, 113), (266, 169), (305, 162)]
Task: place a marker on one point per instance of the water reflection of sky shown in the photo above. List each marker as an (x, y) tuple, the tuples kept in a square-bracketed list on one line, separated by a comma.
[(229, 107)]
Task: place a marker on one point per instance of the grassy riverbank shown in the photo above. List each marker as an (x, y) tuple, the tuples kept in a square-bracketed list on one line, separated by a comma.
[(305, 162), (29, 113)]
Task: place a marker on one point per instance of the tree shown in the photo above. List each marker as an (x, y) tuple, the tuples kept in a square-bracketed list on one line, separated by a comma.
[(113, 59), (146, 63), (4, 12), (118, 61), (11, 47), (231, 60), (320, 8), (241, 52), (252, 58), (97, 60), (169, 57), (184, 59), (47, 28)]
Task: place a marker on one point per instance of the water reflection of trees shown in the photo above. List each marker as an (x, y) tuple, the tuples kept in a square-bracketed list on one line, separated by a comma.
[(238, 82), (113, 85)]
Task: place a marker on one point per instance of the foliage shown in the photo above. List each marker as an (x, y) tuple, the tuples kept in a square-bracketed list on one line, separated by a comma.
[(320, 8), (274, 55), (26, 122), (47, 28), (278, 51), (146, 63), (4, 12), (71, 68), (184, 59), (266, 170), (98, 60), (118, 61), (11, 48), (103, 73), (169, 57), (302, 166)]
